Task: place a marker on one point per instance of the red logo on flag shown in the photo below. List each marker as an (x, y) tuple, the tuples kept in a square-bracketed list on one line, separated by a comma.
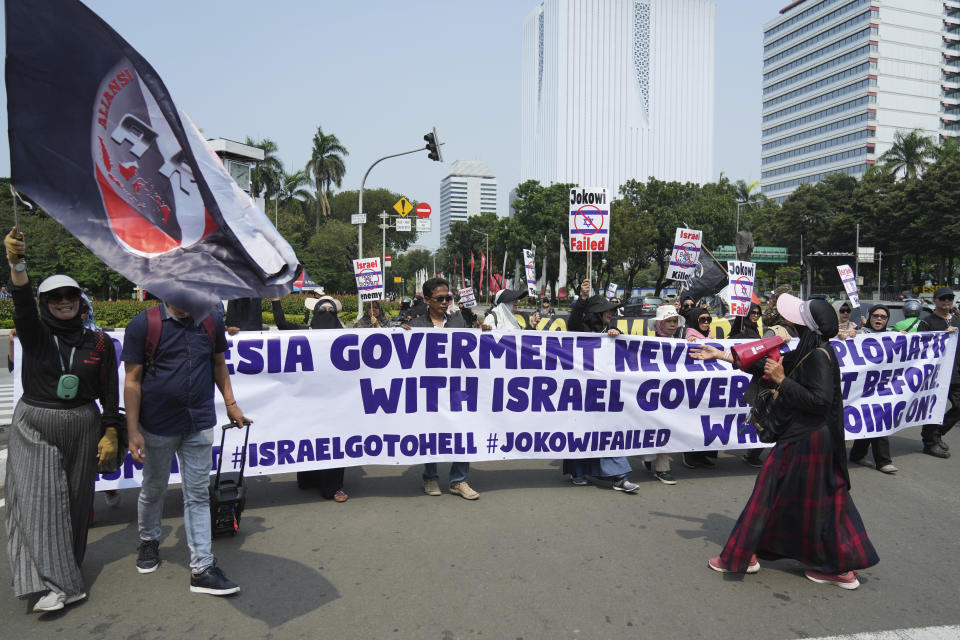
[(150, 197)]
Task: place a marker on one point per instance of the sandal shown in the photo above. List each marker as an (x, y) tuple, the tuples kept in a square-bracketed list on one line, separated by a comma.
[(340, 496)]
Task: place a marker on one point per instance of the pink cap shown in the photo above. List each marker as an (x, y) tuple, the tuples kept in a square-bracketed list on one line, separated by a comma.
[(789, 307)]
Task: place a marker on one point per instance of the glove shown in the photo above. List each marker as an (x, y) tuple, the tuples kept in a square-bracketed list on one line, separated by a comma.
[(15, 247), (107, 447)]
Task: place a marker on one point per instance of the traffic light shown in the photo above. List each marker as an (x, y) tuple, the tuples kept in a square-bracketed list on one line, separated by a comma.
[(433, 146)]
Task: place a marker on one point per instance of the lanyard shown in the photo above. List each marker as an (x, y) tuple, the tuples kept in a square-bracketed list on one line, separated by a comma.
[(73, 350)]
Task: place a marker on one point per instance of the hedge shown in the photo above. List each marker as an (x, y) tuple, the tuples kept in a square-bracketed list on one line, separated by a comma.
[(118, 313)]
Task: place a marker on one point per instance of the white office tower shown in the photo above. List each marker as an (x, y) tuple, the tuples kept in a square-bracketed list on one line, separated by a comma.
[(841, 77), (468, 190), (614, 90)]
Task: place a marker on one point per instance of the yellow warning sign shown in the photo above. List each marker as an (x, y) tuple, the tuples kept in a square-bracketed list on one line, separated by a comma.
[(403, 207)]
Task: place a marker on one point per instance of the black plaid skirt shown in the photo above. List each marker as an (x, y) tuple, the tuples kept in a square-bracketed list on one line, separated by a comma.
[(800, 508)]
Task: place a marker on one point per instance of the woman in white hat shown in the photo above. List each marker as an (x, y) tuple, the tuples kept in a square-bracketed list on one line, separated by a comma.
[(57, 435), (666, 324), (801, 507)]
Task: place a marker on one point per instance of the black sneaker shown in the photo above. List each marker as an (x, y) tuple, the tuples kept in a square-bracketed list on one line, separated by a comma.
[(211, 580), (943, 445), (936, 451), (148, 556), (689, 460)]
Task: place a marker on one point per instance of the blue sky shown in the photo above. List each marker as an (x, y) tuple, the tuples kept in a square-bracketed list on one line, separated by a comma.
[(378, 74)]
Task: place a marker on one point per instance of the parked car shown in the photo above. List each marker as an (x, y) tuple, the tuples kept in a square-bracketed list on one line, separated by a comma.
[(642, 306)]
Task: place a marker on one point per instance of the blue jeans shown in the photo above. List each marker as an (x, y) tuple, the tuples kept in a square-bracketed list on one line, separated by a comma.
[(458, 471), (194, 455)]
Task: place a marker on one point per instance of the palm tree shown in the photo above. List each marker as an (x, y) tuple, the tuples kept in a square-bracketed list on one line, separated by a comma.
[(909, 154), (265, 176), (293, 186), (743, 192), (325, 168)]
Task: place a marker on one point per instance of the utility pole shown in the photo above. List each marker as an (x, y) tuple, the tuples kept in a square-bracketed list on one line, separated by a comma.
[(433, 152)]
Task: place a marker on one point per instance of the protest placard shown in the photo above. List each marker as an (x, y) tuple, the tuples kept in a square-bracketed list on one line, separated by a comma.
[(686, 252), (530, 268), (741, 276), (467, 297), (850, 284), (369, 278), (589, 220)]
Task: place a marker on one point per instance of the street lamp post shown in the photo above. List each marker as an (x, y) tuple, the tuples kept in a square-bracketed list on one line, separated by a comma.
[(487, 238)]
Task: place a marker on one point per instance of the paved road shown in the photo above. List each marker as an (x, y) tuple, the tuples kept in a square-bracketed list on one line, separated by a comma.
[(533, 558)]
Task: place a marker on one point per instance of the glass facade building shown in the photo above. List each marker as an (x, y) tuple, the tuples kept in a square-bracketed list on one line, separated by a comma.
[(842, 77)]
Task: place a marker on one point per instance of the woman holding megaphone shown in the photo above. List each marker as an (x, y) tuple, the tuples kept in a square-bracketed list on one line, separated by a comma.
[(801, 507)]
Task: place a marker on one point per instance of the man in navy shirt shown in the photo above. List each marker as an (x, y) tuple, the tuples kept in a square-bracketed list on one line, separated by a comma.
[(169, 403)]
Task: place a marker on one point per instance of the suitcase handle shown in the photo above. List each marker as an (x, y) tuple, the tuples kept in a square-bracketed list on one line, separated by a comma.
[(233, 424)]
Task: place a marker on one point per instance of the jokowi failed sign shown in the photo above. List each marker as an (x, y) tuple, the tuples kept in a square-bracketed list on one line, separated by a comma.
[(589, 220)]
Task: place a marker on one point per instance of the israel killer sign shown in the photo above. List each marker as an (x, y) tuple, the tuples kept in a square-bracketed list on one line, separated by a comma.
[(849, 284), (686, 253)]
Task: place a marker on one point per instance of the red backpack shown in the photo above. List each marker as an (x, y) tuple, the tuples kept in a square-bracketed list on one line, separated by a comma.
[(155, 327)]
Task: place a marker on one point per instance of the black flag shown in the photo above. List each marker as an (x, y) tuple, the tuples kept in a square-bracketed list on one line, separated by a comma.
[(97, 141), (707, 279)]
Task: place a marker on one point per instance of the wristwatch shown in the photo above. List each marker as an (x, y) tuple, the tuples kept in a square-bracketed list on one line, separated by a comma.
[(19, 266)]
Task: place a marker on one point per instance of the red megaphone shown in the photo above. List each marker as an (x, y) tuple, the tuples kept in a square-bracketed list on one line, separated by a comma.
[(747, 354)]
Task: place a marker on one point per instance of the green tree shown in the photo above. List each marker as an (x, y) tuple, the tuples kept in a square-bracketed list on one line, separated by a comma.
[(326, 168), (266, 174), (909, 154)]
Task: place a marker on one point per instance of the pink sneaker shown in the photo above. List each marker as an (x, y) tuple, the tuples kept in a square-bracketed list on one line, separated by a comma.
[(717, 565), (846, 580)]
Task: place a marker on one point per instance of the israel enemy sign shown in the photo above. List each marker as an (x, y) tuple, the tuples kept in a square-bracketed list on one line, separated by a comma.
[(741, 275), (369, 278), (467, 297), (589, 220), (686, 252)]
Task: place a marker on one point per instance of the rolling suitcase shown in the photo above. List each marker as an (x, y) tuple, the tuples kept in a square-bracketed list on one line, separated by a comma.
[(228, 494)]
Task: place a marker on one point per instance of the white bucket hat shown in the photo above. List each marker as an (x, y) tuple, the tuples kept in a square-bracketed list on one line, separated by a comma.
[(665, 312)]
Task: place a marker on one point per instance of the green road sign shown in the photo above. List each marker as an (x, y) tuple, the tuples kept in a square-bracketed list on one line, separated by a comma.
[(760, 254)]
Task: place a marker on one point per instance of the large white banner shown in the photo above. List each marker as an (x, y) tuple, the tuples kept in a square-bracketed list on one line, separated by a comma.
[(352, 397)]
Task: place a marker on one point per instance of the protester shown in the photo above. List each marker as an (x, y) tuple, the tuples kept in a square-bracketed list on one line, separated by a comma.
[(244, 314), (878, 317), (773, 325), (911, 316), (593, 314), (501, 316), (685, 303), (942, 318), (801, 507), (698, 328), (746, 327), (168, 393), (57, 436), (848, 329), (373, 318), (325, 314), (436, 291), (545, 309), (667, 324)]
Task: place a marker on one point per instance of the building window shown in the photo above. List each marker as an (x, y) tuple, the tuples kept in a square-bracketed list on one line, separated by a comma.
[(855, 170), (863, 18), (819, 84), (816, 24), (816, 162), (818, 146), (819, 53), (820, 68), (819, 115), (812, 133), (826, 97)]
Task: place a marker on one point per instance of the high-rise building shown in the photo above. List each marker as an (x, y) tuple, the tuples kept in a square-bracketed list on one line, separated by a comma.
[(468, 190), (842, 77), (614, 90)]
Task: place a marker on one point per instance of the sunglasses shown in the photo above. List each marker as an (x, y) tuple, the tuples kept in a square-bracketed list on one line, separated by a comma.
[(754, 313), (687, 306), (879, 316), (69, 296), (703, 320), (844, 310), (442, 298)]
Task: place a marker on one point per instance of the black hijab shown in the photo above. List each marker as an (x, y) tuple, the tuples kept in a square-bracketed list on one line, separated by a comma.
[(323, 318), (592, 320), (691, 316), (68, 331), (886, 326), (744, 327)]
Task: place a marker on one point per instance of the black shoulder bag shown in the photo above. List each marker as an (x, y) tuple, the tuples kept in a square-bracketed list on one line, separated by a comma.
[(769, 419)]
